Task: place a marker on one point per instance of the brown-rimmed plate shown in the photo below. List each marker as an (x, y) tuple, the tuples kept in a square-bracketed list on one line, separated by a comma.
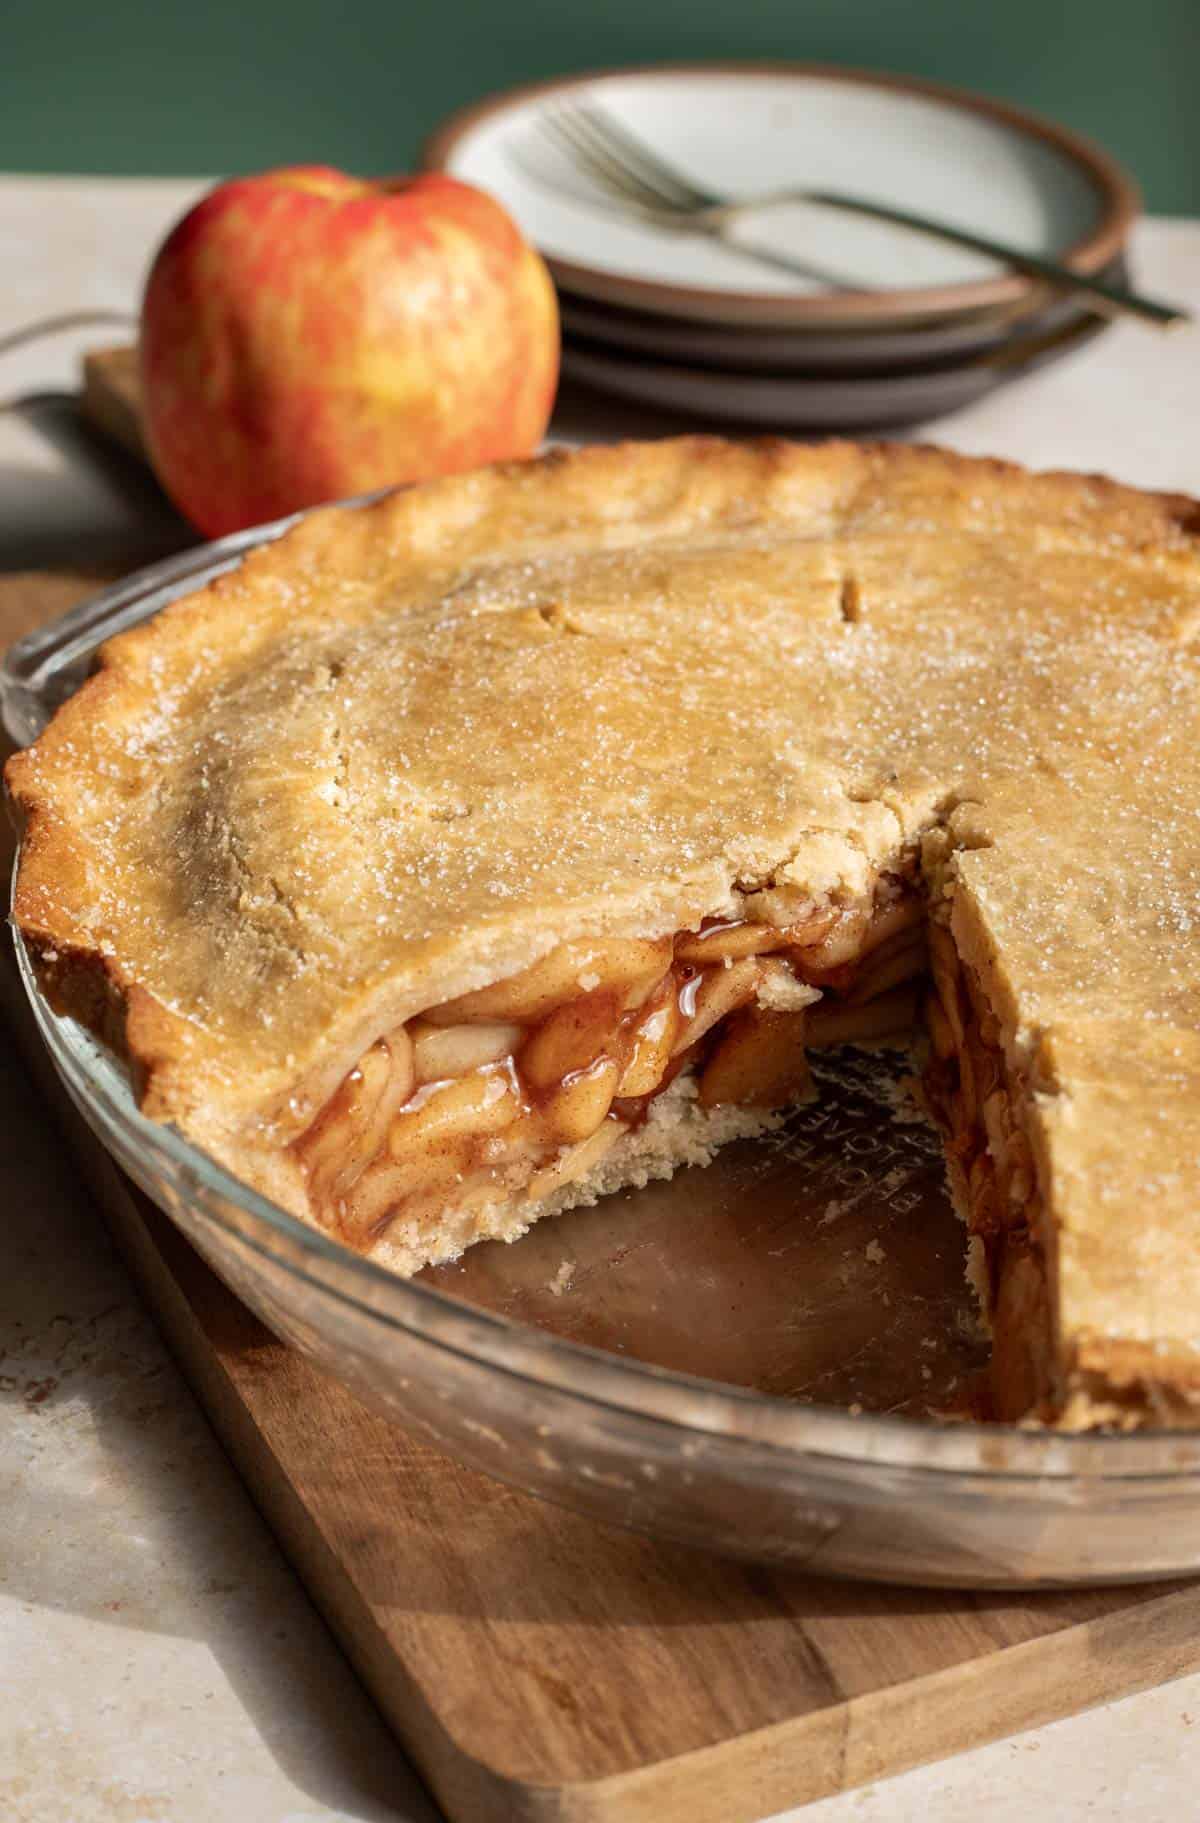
[(880, 350), (822, 401), (745, 129)]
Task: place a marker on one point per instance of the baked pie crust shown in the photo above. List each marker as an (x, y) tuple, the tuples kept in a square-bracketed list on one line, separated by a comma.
[(465, 855)]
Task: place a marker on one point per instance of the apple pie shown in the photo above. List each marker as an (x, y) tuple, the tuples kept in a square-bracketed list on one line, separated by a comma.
[(471, 854)]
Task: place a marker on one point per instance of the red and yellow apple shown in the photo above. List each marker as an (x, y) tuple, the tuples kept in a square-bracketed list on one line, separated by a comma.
[(307, 335)]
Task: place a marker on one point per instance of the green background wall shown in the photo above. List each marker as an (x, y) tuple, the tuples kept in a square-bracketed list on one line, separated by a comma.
[(217, 86)]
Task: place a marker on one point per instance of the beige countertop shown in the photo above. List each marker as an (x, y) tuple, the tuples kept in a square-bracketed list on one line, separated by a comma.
[(159, 1662)]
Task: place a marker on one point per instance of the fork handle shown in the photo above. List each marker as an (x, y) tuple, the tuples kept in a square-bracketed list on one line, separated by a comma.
[(1112, 299)]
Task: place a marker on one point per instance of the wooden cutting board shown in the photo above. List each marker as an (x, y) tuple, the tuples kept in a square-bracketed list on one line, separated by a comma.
[(111, 396), (538, 1666)]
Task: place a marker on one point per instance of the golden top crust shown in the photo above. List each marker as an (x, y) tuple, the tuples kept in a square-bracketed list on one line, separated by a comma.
[(407, 748)]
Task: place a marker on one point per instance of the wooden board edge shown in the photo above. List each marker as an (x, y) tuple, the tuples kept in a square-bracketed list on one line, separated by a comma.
[(946, 1713), (111, 394)]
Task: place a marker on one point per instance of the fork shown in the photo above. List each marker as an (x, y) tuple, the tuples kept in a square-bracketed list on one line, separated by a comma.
[(640, 182)]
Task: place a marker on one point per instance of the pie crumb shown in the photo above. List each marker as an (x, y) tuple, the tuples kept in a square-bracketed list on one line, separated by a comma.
[(562, 1279)]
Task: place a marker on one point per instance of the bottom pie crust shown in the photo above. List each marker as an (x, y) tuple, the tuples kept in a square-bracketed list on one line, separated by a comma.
[(676, 1132)]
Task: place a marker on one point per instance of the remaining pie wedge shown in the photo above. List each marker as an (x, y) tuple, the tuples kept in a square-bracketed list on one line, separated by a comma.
[(466, 856)]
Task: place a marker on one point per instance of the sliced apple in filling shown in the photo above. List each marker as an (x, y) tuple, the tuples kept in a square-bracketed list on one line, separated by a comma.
[(520, 1089)]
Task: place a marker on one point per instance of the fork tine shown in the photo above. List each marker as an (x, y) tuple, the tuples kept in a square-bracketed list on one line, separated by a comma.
[(591, 193), (615, 136), (591, 134), (580, 159), (529, 160), (604, 170)]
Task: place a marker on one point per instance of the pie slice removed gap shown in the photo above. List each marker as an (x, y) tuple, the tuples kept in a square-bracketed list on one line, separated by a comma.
[(472, 854)]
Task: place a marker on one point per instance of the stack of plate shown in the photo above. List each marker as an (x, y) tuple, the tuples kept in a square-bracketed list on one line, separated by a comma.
[(859, 324)]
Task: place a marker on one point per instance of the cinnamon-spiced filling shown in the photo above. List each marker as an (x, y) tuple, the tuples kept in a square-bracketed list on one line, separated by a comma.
[(522, 1087)]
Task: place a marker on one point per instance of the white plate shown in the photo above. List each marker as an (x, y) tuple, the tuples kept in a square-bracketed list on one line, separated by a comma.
[(791, 402), (748, 129)]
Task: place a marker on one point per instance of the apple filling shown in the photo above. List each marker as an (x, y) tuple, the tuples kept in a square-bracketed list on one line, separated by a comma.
[(521, 1088), (978, 1099)]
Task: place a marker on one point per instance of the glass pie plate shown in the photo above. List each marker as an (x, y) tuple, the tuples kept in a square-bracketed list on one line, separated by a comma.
[(758, 1358)]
